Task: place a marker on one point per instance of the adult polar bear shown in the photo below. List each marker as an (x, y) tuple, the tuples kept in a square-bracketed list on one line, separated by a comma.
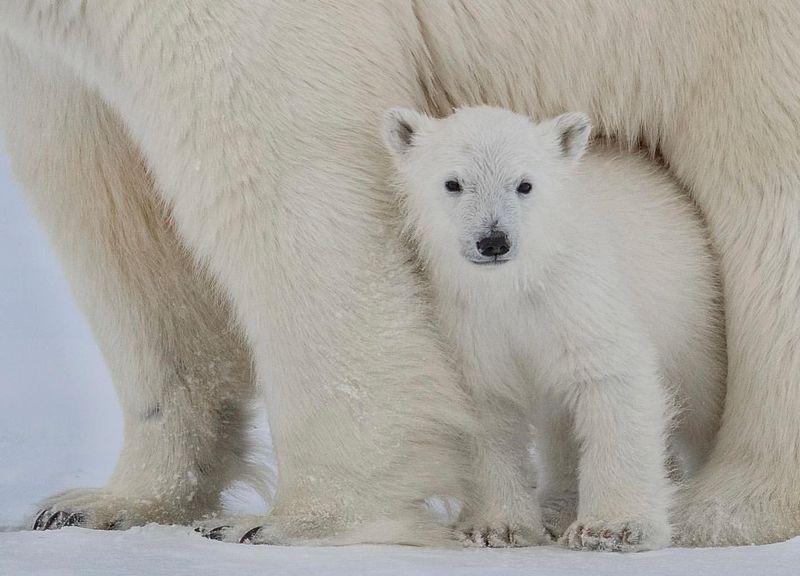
[(255, 121)]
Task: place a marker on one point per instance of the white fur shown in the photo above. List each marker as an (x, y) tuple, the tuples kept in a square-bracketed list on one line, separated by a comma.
[(253, 122), (603, 316)]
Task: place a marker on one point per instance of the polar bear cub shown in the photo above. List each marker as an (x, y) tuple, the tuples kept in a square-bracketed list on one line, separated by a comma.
[(581, 296)]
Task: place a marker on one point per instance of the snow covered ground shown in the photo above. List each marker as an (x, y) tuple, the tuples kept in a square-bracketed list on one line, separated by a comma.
[(177, 551), (60, 427)]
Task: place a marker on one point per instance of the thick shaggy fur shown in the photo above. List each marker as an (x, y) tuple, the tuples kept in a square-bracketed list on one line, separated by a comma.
[(601, 318), (254, 122)]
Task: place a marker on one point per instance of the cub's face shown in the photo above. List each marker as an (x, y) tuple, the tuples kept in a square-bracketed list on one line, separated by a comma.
[(472, 181)]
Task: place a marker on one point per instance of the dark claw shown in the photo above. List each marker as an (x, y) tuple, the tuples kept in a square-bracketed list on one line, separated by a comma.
[(627, 537), (114, 524), (56, 521), (38, 524), (217, 533), (75, 519), (249, 535)]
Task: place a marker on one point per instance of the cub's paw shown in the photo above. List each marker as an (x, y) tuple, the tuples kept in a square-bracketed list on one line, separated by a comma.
[(500, 535), (102, 510), (616, 535)]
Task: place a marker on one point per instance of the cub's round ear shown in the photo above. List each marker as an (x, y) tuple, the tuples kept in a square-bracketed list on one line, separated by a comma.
[(572, 133), (399, 127)]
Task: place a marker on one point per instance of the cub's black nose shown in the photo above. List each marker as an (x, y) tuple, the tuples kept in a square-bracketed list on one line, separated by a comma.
[(495, 244)]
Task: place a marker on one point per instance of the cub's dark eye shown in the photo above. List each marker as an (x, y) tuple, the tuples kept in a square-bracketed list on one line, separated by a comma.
[(524, 188), (453, 186)]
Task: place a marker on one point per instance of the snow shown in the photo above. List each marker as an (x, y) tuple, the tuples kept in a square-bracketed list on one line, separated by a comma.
[(178, 551), (60, 427)]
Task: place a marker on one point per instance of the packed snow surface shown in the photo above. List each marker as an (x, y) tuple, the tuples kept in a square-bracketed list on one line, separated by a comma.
[(60, 427), (178, 551)]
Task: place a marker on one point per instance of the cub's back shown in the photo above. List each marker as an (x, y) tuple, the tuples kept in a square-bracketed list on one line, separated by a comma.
[(662, 249)]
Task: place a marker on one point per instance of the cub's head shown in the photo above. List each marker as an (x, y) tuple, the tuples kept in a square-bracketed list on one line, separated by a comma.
[(472, 183)]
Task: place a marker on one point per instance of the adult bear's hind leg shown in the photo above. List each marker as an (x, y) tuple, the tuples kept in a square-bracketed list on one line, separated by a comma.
[(182, 373), (739, 150)]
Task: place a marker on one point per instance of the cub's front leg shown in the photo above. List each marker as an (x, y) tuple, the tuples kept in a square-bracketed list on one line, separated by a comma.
[(621, 421)]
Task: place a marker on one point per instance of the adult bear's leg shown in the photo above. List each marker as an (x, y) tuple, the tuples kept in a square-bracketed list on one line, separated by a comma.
[(182, 373), (738, 148), (260, 122)]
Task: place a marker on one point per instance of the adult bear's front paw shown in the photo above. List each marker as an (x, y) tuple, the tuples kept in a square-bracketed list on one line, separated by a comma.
[(104, 510), (255, 530), (264, 529)]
